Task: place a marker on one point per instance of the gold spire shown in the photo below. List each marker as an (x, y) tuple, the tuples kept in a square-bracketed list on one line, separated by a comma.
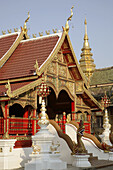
[(24, 29), (86, 43), (86, 61), (67, 24)]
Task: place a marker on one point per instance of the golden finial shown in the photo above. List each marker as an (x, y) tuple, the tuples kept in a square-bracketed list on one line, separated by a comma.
[(54, 31), (34, 35), (26, 21), (41, 34), (67, 25), (9, 31), (15, 29), (48, 32), (37, 68), (24, 29), (3, 32), (85, 22)]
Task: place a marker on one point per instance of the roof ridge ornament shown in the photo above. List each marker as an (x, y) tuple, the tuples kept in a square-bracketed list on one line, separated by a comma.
[(8, 87), (24, 29), (69, 19), (36, 66)]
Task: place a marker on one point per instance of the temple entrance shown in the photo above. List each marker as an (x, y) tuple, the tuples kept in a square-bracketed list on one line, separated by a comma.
[(16, 110), (58, 106)]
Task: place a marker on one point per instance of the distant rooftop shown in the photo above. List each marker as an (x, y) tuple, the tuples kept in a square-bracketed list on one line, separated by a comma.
[(102, 76)]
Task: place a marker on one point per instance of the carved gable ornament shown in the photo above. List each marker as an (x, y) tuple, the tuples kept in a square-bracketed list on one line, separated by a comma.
[(79, 87)]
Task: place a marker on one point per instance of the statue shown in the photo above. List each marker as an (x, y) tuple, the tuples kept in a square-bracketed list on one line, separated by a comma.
[(68, 118), (79, 148)]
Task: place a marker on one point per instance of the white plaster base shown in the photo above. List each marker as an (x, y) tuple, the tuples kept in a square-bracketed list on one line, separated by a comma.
[(7, 156), (45, 162), (81, 161), (110, 156)]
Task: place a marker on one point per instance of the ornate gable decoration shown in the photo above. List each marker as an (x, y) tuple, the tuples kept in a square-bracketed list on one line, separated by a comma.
[(52, 68), (79, 87)]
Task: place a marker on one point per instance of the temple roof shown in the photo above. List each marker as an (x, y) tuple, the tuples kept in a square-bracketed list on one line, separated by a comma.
[(21, 62), (102, 76), (101, 82), (6, 41)]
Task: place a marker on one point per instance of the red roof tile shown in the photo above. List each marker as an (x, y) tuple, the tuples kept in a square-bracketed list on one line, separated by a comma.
[(22, 61), (6, 42), (14, 86)]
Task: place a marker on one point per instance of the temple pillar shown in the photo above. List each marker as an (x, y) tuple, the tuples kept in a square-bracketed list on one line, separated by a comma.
[(34, 122), (64, 122), (6, 121), (73, 110)]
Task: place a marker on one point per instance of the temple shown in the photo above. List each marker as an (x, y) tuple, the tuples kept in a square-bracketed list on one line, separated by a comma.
[(28, 64)]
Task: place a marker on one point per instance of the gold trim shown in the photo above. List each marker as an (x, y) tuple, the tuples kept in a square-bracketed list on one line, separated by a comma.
[(19, 79), (25, 88)]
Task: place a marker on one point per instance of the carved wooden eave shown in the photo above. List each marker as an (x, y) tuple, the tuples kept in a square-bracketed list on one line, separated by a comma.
[(92, 99), (25, 88), (11, 49)]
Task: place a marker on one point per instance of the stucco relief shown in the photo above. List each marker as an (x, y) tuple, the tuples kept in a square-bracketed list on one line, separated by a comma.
[(61, 57), (52, 68), (62, 70), (52, 80), (71, 87), (68, 75), (79, 86)]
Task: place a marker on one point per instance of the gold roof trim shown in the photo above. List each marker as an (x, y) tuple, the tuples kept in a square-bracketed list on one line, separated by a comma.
[(11, 49), (23, 89)]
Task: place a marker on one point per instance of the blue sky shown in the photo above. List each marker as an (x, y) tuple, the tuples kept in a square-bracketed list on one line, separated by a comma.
[(51, 14)]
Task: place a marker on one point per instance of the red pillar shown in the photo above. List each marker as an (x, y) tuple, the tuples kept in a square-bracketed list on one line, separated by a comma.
[(34, 122), (89, 118), (64, 122), (73, 110), (6, 120)]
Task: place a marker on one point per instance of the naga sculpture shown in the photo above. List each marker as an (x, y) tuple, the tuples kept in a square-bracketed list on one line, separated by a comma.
[(79, 148)]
